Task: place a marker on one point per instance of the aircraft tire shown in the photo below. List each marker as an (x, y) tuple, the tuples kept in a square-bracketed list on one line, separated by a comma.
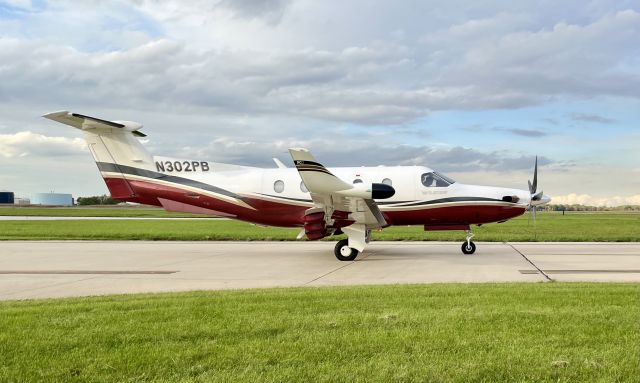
[(343, 252), (470, 249)]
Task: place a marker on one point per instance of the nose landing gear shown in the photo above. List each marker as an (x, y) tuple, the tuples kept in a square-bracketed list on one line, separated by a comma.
[(468, 247)]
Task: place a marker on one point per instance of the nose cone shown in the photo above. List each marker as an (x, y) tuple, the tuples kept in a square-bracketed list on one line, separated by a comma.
[(382, 191), (543, 200)]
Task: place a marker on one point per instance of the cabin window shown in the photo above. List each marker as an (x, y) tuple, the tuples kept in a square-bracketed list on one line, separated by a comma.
[(303, 187), (278, 186), (357, 181), (387, 181), (435, 179)]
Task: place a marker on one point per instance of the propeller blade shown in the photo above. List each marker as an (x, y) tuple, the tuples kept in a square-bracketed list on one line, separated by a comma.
[(534, 187)]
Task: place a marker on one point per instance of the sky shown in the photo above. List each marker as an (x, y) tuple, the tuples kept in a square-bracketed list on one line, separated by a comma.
[(475, 90)]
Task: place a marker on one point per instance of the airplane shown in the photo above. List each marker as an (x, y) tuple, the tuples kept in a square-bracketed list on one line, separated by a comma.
[(322, 201)]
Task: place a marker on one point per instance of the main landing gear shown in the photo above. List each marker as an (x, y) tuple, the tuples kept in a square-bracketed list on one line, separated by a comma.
[(344, 252), (468, 247), (348, 249)]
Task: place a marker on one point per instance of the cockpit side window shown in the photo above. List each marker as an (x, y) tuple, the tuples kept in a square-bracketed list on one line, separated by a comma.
[(433, 179)]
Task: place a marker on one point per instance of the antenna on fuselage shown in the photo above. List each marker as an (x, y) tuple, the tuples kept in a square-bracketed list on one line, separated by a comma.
[(279, 163)]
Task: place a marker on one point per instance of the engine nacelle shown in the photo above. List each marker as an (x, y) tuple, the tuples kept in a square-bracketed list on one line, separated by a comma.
[(375, 191)]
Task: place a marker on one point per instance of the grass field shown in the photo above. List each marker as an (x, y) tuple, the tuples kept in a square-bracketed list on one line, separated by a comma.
[(78, 211), (550, 227), (554, 332)]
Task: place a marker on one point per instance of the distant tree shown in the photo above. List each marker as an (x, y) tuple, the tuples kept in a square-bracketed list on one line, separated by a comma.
[(593, 208), (97, 200)]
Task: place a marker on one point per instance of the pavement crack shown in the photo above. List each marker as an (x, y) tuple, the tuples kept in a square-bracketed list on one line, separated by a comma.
[(530, 262), (337, 269)]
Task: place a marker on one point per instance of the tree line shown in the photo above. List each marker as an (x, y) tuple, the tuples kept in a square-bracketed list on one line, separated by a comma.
[(592, 208), (97, 200)]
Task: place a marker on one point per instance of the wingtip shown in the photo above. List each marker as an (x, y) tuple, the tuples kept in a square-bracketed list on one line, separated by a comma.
[(54, 114)]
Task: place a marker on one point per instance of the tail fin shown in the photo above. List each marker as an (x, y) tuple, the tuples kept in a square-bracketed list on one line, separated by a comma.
[(114, 147)]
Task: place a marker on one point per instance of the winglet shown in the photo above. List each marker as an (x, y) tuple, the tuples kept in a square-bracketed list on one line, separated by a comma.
[(315, 176)]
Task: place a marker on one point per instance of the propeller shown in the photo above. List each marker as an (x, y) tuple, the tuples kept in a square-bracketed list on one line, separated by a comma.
[(535, 196)]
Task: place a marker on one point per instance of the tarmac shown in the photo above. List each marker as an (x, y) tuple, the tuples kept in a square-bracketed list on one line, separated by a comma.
[(54, 269)]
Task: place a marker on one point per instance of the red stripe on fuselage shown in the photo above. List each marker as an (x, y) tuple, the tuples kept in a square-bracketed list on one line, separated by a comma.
[(273, 213), (462, 214), (266, 213)]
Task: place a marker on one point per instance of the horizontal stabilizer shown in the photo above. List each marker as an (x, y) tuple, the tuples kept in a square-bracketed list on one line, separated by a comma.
[(82, 122)]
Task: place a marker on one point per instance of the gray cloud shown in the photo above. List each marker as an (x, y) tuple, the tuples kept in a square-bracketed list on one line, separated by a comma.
[(352, 152), (474, 65), (271, 10), (240, 81), (592, 118), (523, 132)]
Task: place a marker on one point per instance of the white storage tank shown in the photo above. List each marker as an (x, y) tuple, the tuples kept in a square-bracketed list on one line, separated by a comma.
[(22, 201), (52, 199)]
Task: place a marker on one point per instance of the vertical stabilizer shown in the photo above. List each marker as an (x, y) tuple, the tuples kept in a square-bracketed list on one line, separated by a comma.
[(115, 148)]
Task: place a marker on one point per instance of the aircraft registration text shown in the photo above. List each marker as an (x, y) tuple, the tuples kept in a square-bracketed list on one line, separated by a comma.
[(182, 166)]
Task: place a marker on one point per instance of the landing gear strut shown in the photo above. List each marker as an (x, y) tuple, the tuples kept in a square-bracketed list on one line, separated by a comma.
[(468, 247), (344, 252)]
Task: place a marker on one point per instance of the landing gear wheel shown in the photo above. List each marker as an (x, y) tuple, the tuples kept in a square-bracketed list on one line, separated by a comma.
[(468, 248), (344, 252)]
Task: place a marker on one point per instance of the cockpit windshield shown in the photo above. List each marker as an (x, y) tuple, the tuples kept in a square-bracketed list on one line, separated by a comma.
[(435, 179)]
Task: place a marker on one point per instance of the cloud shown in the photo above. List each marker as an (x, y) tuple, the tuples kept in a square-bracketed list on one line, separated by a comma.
[(240, 81), (488, 63), (271, 10), (589, 200), (359, 153), (523, 132), (592, 118), (24, 144)]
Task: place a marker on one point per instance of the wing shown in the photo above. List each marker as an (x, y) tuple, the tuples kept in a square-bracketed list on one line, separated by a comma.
[(335, 196)]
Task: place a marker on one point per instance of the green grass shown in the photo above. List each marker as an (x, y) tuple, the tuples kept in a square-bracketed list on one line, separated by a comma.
[(552, 332), (550, 227), (92, 211)]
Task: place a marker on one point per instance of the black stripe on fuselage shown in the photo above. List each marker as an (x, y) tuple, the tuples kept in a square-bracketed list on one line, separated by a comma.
[(404, 203), (453, 199), (285, 198), (117, 168)]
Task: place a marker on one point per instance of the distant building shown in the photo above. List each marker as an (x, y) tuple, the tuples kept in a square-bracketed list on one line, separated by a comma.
[(6, 197), (52, 199), (22, 201)]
